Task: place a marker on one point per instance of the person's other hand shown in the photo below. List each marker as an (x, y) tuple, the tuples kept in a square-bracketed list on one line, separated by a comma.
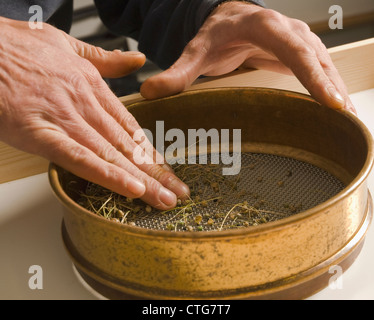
[(55, 103), (239, 34)]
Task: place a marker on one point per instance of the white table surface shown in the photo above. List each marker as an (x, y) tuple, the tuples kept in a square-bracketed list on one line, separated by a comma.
[(30, 234)]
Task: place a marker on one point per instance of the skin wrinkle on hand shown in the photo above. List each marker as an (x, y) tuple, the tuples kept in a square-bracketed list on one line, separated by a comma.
[(50, 116)]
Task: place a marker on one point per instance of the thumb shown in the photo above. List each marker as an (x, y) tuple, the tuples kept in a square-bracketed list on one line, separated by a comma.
[(111, 64), (175, 79)]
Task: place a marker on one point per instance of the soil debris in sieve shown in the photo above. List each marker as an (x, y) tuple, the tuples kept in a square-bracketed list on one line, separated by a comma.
[(216, 203)]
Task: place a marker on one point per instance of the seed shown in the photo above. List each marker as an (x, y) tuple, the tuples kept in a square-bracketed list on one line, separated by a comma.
[(148, 209), (210, 222), (198, 219), (120, 213), (214, 186)]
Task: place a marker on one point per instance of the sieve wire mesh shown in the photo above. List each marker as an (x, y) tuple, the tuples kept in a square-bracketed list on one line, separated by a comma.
[(267, 188)]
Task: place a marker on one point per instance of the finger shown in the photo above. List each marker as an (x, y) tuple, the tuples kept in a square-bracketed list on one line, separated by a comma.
[(109, 129), (111, 64), (86, 137), (332, 73), (112, 105), (291, 42), (179, 76), (84, 163), (306, 66)]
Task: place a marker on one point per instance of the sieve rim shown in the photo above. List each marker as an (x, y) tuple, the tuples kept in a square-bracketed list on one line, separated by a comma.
[(268, 227)]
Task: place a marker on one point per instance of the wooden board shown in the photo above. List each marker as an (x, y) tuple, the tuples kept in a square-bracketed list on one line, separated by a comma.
[(354, 61)]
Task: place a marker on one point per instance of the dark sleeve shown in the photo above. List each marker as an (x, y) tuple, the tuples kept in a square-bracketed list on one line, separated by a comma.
[(162, 27), (55, 12)]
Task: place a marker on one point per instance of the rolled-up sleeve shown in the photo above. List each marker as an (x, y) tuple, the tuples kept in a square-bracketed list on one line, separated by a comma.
[(162, 27)]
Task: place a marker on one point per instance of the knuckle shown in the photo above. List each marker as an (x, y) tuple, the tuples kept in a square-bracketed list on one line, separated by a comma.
[(76, 153), (77, 81), (305, 50), (109, 153), (110, 174), (49, 29), (264, 16), (318, 42), (196, 46), (163, 177), (126, 145), (125, 119), (160, 174), (300, 26), (151, 196), (90, 72), (130, 122)]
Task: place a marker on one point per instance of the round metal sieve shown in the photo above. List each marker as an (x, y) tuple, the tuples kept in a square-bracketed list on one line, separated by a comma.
[(298, 157), (267, 188)]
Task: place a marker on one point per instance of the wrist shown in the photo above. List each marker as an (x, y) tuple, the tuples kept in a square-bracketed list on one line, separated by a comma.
[(231, 8)]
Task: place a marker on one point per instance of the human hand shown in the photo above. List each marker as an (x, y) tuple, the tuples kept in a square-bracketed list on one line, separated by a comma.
[(54, 103), (239, 34)]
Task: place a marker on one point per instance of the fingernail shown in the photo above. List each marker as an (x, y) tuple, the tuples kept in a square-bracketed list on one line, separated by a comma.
[(353, 111), (167, 197), (179, 188), (350, 107), (338, 100), (134, 53)]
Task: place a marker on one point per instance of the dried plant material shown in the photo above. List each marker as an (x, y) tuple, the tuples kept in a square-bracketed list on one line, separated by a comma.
[(216, 202), (204, 181)]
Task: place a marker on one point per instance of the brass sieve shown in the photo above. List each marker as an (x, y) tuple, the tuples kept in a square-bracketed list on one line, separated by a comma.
[(304, 168)]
